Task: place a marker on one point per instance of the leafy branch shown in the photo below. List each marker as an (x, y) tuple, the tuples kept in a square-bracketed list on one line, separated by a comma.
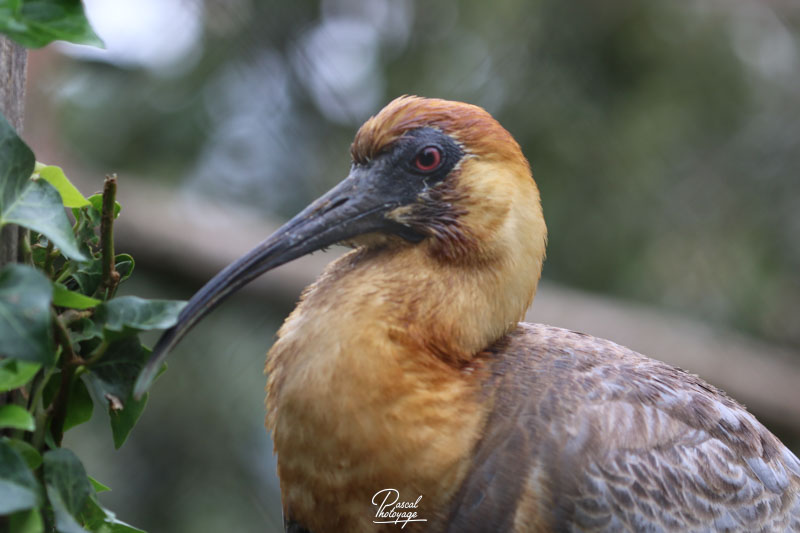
[(36, 23), (67, 344)]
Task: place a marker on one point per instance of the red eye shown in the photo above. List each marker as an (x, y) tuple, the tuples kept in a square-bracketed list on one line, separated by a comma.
[(428, 159)]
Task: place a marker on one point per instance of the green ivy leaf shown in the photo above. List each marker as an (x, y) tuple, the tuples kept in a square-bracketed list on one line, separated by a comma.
[(112, 376), (19, 489), (123, 420), (16, 417), (85, 230), (70, 195), (98, 487), (91, 214), (68, 488), (97, 202), (65, 521), (124, 265), (136, 313), (97, 518), (26, 522), (85, 329), (63, 297), (25, 295), (15, 373), (38, 207), (34, 204), (39, 254), (89, 276), (36, 23), (79, 406), (28, 452), (16, 162)]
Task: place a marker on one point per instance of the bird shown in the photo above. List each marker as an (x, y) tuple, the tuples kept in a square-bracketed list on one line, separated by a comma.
[(405, 390)]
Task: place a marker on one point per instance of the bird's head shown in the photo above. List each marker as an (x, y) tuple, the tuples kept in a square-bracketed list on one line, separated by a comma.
[(448, 177), (430, 173)]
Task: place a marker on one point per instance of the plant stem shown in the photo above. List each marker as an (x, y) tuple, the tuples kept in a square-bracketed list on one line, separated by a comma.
[(65, 272), (71, 316), (39, 412), (110, 275), (60, 404), (97, 353), (25, 247), (48, 259), (69, 362), (38, 388)]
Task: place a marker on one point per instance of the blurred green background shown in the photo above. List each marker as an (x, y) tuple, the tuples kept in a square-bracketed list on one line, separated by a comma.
[(664, 136)]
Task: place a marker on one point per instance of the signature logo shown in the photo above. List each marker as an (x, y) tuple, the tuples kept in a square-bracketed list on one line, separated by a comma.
[(391, 510)]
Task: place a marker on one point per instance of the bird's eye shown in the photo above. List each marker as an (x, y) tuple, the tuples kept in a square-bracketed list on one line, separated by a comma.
[(428, 159)]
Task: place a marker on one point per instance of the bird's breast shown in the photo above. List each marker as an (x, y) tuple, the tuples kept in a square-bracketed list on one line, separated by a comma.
[(355, 410)]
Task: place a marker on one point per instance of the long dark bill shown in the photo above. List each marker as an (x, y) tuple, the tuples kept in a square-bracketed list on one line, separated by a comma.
[(354, 207)]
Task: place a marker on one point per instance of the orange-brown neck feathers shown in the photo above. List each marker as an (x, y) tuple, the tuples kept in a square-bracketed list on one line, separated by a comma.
[(472, 127)]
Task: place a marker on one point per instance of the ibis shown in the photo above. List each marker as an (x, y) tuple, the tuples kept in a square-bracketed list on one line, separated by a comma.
[(405, 392)]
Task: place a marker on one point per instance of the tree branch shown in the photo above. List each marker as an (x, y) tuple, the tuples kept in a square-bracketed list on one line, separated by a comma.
[(69, 363), (13, 62)]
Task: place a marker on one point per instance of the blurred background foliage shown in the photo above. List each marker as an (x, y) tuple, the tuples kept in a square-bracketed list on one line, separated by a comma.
[(664, 136)]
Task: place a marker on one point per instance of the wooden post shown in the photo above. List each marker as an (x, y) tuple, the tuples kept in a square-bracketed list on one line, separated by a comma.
[(13, 63)]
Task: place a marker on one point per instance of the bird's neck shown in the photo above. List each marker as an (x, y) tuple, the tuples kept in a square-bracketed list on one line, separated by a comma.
[(375, 381), (440, 310), (454, 311)]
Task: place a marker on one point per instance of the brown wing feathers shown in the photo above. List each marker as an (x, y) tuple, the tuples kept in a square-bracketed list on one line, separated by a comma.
[(586, 435)]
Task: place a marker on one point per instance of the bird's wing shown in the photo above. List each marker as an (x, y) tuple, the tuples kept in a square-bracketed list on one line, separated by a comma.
[(586, 435)]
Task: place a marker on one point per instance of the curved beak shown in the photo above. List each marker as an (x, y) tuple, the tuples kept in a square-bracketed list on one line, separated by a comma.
[(354, 207)]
